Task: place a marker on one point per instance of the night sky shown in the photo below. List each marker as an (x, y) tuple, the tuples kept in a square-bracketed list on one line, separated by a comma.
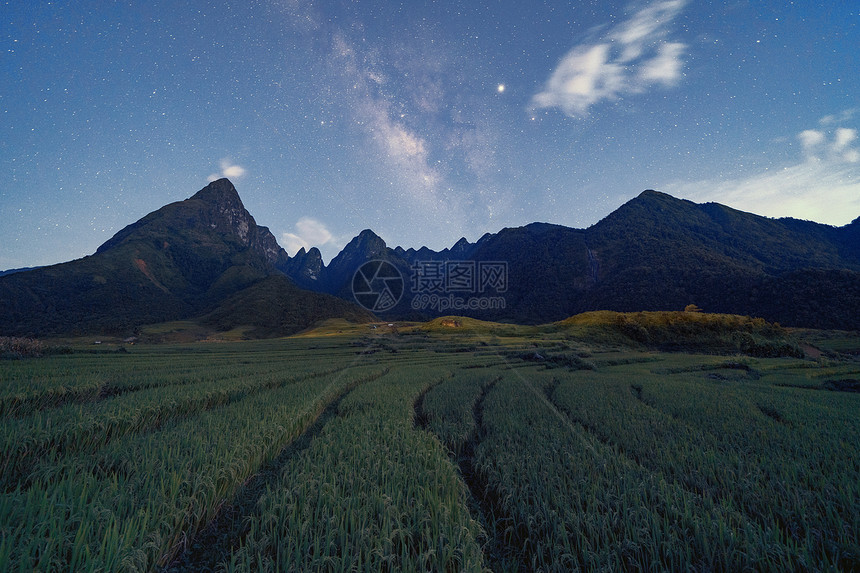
[(424, 121)]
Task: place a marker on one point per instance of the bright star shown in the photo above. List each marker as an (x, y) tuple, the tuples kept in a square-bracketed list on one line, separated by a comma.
[(500, 88)]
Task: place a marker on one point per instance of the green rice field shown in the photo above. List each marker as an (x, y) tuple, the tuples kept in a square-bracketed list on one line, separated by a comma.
[(418, 448)]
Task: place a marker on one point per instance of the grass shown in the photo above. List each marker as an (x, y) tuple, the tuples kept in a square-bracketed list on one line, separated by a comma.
[(470, 446)]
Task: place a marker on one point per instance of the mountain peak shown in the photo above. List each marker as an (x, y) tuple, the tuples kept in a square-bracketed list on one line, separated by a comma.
[(364, 247), (366, 242), (221, 192), (368, 235), (652, 196), (651, 203), (224, 210), (215, 212)]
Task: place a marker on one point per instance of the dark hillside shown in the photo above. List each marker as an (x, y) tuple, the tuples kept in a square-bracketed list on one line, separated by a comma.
[(177, 262), (548, 271), (655, 252), (276, 307)]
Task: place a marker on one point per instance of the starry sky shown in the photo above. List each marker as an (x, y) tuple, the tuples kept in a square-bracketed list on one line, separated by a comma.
[(424, 120)]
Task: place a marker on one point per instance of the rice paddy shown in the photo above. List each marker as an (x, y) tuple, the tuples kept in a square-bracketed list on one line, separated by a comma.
[(418, 449)]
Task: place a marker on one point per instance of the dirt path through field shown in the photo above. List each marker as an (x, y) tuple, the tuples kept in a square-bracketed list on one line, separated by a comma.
[(219, 539), (483, 504)]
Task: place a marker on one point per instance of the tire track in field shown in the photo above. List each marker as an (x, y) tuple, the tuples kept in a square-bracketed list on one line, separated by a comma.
[(21, 407), (700, 493), (482, 502), (419, 418), (616, 448), (717, 492), (18, 470), (224, 534)]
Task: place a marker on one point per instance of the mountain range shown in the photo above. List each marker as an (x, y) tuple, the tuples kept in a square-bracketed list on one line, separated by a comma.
[(655, 252), (206, 258)]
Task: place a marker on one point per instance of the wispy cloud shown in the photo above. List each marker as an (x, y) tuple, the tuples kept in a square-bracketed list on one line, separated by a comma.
[(839, 118), (840, 148), (629, 57), (229, 170), (823, 185), (309, 232)]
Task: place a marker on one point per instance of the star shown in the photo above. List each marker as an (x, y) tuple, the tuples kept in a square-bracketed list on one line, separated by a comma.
[(500, 88)]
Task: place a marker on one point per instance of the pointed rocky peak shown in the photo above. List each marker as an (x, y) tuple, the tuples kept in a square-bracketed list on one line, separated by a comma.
[(368, 238), (220, 193), (212, 216), (312, 265), (314, 258), (222, 200), (306, 268), (461, 250), (461, 247), (366, 244)]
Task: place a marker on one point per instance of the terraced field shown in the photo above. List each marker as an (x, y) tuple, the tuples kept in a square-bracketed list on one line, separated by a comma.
[(418, 449)]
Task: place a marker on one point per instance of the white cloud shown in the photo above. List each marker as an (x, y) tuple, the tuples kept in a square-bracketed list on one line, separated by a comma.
[(824, 186), (630, 57), (810, 139), (229, 170), (292, 243), (309, 232), (840, 149), (647, 24), (234, 171), (851, 156), (843, 139), (313, 231), (839, 118), (665, 67)]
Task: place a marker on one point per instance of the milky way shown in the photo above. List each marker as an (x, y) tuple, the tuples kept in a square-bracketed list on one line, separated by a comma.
[(423, 122)]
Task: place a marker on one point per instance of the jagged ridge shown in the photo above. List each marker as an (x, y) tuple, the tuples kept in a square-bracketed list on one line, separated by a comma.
[(655, 252)]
